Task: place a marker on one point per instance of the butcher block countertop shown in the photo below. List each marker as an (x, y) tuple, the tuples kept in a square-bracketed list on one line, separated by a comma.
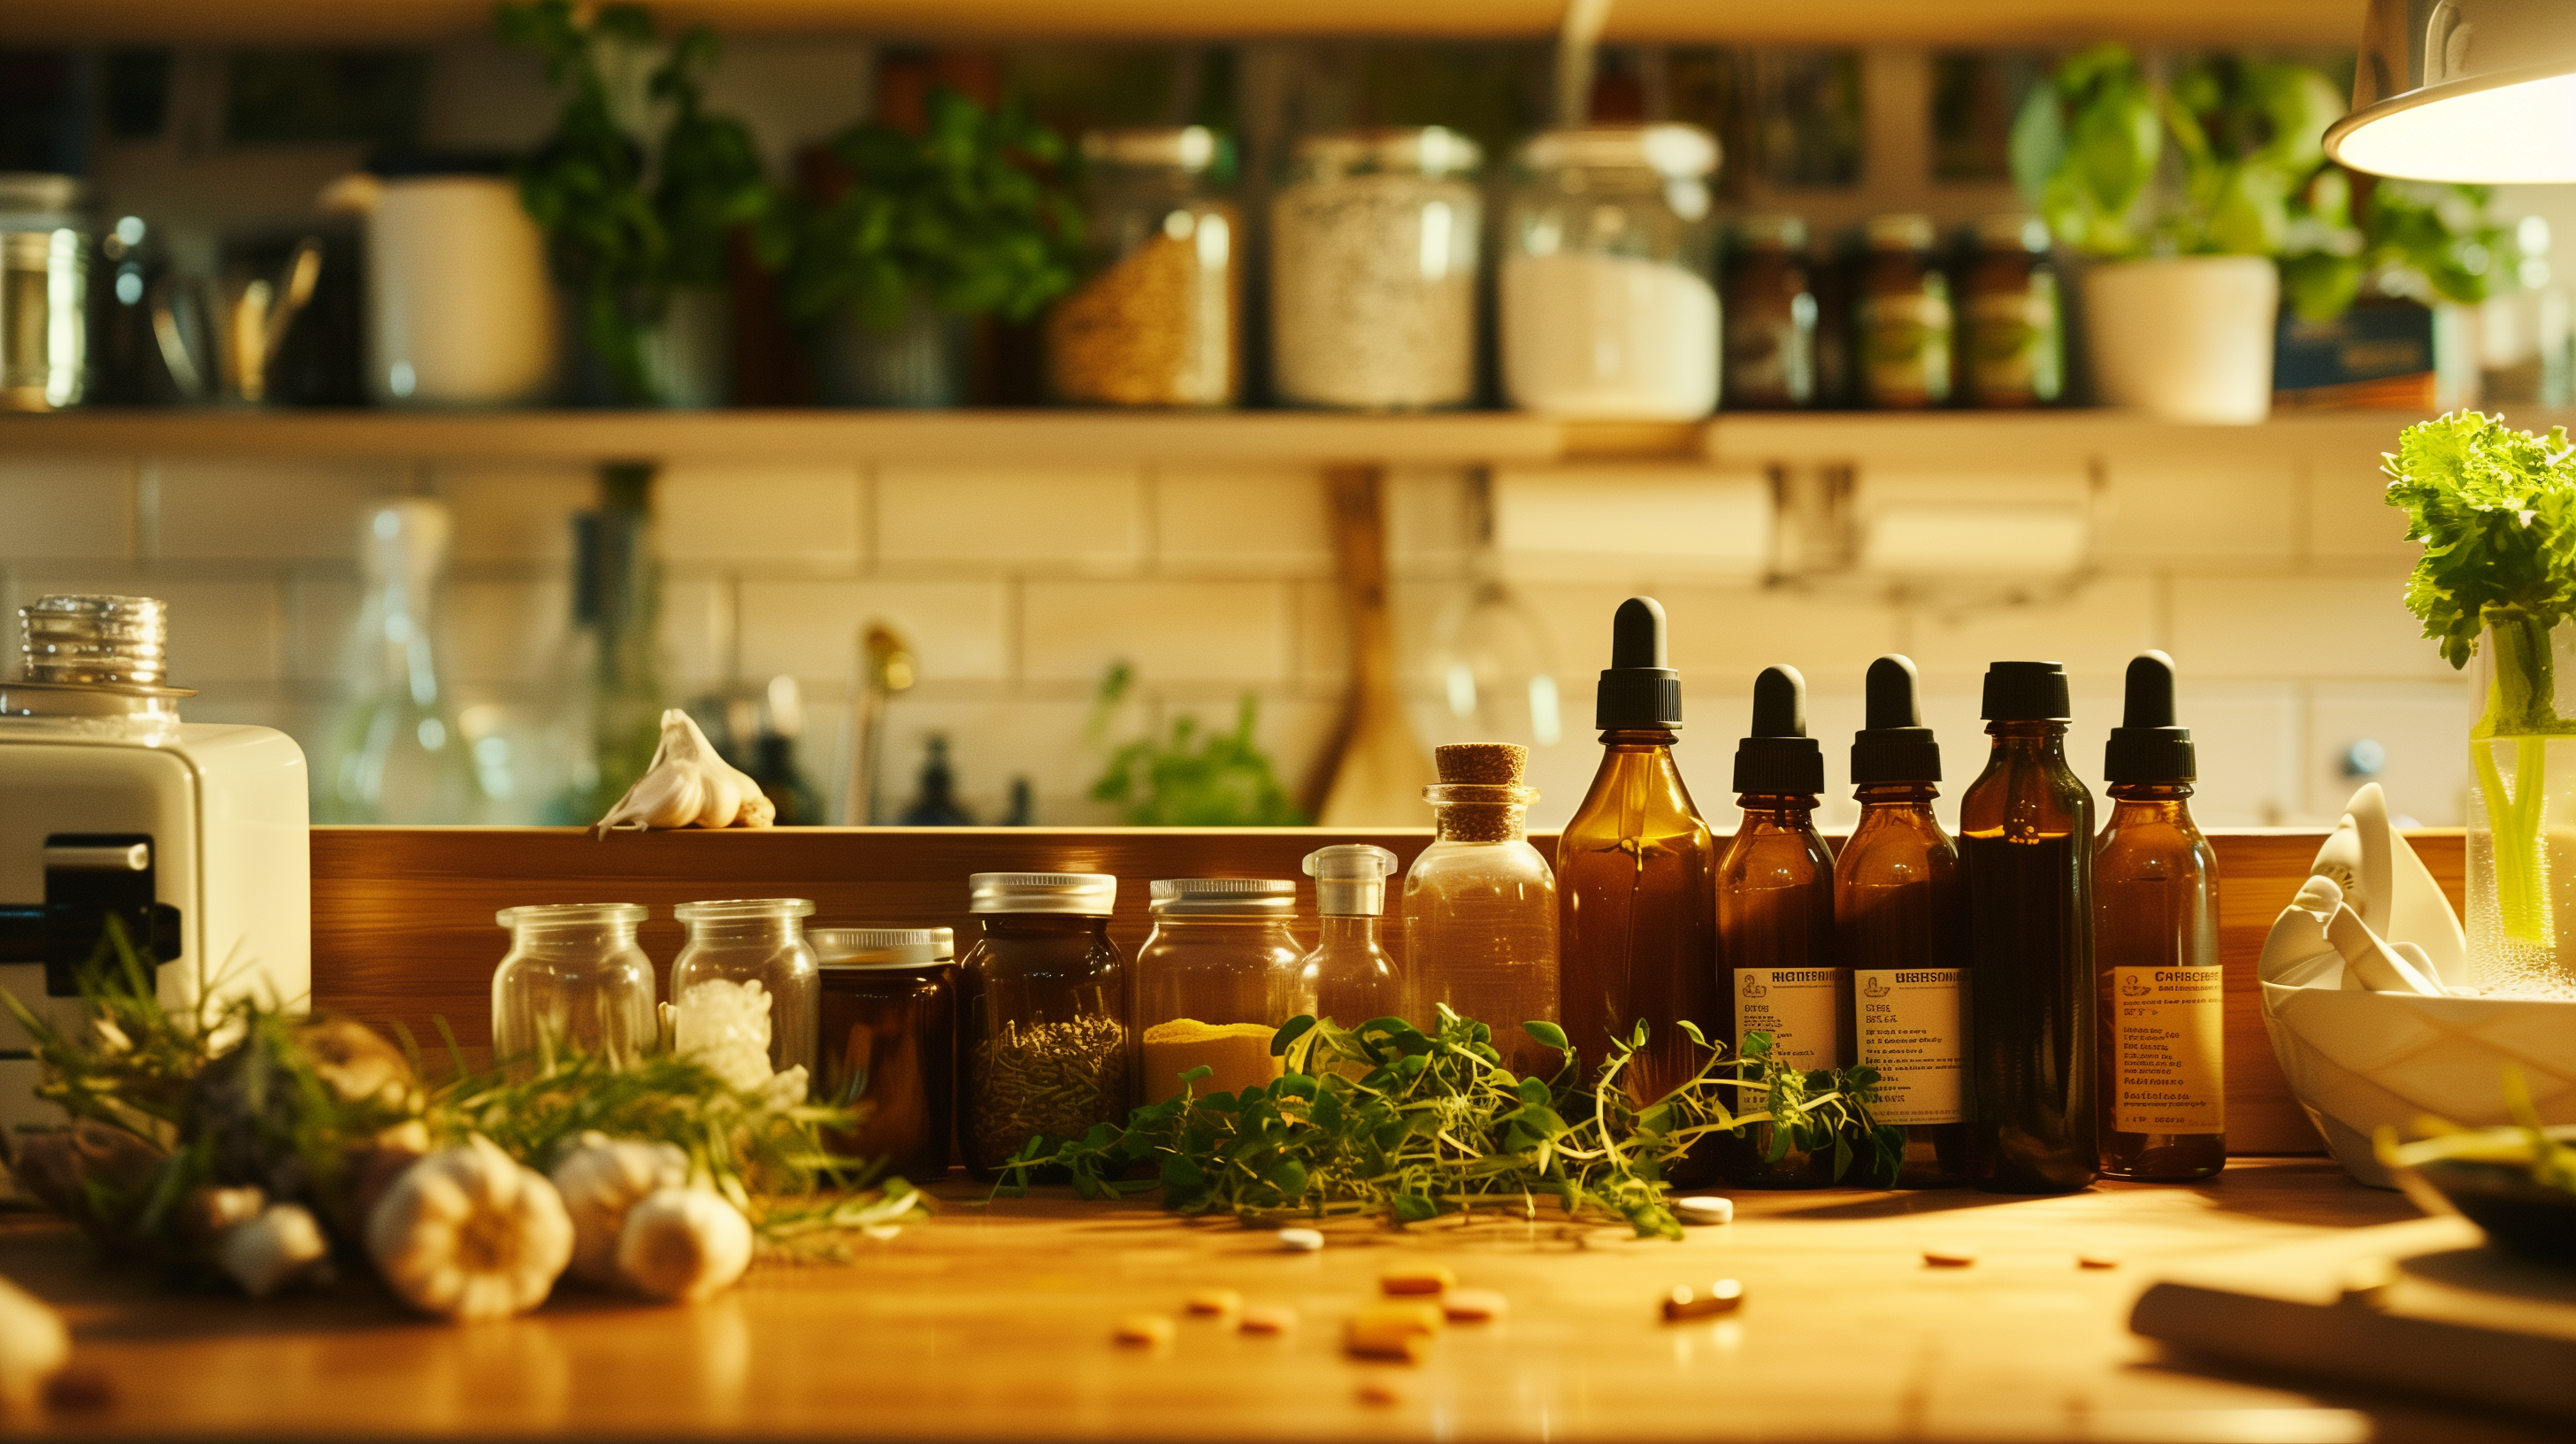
[(994, 1321)]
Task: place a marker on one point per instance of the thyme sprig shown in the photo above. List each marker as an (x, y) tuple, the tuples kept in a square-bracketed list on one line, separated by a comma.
[(1385, 1119)]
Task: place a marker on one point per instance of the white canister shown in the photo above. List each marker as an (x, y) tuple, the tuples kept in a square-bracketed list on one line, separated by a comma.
[(2184, 338), (459, 308)]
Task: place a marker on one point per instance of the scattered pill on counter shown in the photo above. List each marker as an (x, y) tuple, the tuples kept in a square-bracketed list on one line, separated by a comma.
[(2097, 1260), (1392, 1348), (1417, 1279), (1687, 1302), (1704, 1211), (1393, 1331), (1473, 1306), (1145, 1331), (1380, 1392), (1214, 1302), (1267, 1319), (1301, 1240), (1949, 1258)]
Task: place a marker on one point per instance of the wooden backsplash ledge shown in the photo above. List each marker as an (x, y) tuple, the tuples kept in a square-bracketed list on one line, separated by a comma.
[(403, 926)]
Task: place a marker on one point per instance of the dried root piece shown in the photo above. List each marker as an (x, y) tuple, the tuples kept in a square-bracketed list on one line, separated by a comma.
[(688, 785)]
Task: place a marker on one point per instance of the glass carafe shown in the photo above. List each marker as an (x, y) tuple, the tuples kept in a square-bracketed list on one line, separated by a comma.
[(746, 991), (394, 752), (2522, 808), (1480, 922), (574, 980), (1214, 981)]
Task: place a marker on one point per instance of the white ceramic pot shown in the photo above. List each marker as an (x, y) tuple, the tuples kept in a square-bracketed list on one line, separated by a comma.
[(459, 311), (2185, 338)]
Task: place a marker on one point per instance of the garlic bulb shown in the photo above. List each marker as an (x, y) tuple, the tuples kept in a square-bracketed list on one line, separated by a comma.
[(468, 1233), (34, 1345), (688, 785), (269, 1252), (684, 1243), (600, 1181)]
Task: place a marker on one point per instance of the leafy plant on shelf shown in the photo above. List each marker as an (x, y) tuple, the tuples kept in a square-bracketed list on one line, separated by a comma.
[(629, 222), (2495, 509), (970, 216), (1222, 779), (1387, 1120), (2422, 242)]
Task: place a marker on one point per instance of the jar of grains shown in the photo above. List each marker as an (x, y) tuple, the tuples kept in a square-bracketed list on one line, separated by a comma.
[(1214, 981), (1155, 323), (1042, 1001), (1607, 304), (1373, 270)]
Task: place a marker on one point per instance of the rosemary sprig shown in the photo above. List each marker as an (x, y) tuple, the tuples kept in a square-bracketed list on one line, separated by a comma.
[(1386, 1119)]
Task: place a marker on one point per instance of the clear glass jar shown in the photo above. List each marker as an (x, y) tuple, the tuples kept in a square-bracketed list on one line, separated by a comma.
[(745, 991), (1608, 307), (1042, 999), (1373, 246), (44, 292), (1214, 981), (1157, 322), (1480, 925), (574, 979), (889, 1044), (2521, 811)]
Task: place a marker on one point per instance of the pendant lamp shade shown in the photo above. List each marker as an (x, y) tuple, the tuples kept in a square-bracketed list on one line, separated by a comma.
[(2480, 91)]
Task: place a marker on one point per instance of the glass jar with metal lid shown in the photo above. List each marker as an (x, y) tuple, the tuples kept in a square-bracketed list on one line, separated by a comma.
[(1373, 245), (574, 979), (1902, 325), (1156, 323), (44, 292), (2014, 341), (744, 991), (1215, 979), (1042, 1010), (1608, 307), (889, 1044)]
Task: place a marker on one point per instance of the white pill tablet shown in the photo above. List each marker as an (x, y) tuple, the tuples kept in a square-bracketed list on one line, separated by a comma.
[(1301, 1240), (1704, 1210)]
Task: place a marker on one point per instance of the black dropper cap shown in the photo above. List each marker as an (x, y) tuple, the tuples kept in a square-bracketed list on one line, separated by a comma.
[(1780, 757), (1895, 746), (1637, 689), (2026, 692), (2147, 746)]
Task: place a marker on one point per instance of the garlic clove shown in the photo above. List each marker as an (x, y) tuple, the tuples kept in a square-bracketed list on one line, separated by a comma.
[(684, 1243), (688, 785), (601, 1180), (34, 1345), (267, 1253)]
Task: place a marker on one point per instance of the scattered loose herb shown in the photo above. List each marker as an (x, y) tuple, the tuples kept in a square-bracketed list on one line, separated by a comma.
[(1385, 1119), (2496, 511)]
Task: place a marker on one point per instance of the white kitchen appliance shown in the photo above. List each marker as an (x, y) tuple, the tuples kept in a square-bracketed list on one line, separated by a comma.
[(193, 836)]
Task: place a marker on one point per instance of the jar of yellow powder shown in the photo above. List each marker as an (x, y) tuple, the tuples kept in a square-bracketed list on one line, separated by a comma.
[(1214, 981)]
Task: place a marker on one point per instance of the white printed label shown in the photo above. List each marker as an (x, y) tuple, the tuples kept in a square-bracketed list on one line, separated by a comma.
[(2166, 1036), (1795, 1006), (1914, 1031)]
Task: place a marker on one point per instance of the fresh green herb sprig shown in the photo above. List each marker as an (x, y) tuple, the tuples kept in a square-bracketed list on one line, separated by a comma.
[(1219, 778), (1386, 1120)]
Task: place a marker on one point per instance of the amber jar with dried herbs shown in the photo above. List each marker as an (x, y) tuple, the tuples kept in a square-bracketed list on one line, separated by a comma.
[(1042, 1021), (1157, 321)]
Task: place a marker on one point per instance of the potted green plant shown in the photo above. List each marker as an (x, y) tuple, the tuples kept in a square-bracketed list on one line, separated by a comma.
[(2182, 290), (968, 218), (638, 201)]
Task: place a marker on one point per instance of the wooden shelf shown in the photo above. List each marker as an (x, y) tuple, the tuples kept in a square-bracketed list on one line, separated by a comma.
[(1853, 22)]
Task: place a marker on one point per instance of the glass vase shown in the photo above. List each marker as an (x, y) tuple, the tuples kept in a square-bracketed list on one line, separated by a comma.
[(2522, 808)]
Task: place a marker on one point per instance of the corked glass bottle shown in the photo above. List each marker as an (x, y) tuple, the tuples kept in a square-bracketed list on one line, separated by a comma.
[(2158, 987), (1480, 907), (1637, 923), (1775, 919), (1900, 915)]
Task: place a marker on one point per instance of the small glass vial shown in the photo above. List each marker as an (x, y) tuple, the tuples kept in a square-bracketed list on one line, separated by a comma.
[(1480, 908), (574, 980), (1903, 321), (1156, 322), (889, 1043), (1348, 977), (744, 991), (2015, 333), (1770, 317), (1373, 270), (1042, 1000), (1214, 981)]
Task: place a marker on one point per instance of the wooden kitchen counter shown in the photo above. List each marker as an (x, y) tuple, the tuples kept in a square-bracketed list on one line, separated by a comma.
[(993, 1322)]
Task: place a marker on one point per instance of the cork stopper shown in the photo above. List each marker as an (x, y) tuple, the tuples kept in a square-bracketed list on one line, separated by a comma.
[(1492, 764)]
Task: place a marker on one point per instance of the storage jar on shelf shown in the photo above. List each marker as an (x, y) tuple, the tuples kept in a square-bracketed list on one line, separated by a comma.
[(1042, 999), (1156, 323), (1215, 979), (1373, 245), (1607, 307), (1770, 316), (889, 1043), (1903, 325), (744, 991), (2012, 317), (574, 979)]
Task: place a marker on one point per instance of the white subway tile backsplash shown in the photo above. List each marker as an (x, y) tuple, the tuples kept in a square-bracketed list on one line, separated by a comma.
[(1724, 636), (957, 631), (1071, 517), (2200, 511), (2095, 631), (71, 508), (500, 633), (2349, 518), (1273, 521), (2251, 738), (516, 512), (267, 511), (2422, 729), (1168, 631), (2306, 626), (803, 516), (321, 610)]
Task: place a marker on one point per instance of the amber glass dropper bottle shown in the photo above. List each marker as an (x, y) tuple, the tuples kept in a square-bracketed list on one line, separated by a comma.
[(2025, 838), (2155, 940), (1637, 935), (1900, 917), (1775, 916)]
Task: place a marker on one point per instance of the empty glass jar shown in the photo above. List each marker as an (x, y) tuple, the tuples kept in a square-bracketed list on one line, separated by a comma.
[(1214, 981), (574, 980), (745, 989), (889, 1045), (1042, 1001)]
